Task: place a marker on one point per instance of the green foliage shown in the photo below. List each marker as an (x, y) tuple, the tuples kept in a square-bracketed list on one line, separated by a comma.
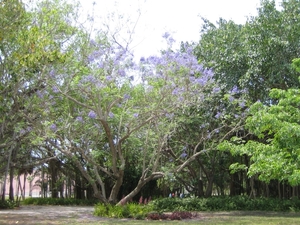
[(256, 56), (130, 210), (7, 204), (178, 204), (296, 64), (58, 201), (225, 203), (275, 151)]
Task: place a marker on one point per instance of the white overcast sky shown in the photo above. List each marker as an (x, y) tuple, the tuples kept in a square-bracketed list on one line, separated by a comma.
[(179, 17)]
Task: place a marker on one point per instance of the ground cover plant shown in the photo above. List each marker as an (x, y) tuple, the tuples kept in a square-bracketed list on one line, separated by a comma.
[(225, 203), (59, 201), (189, 208), (130, 210), (7, 204)]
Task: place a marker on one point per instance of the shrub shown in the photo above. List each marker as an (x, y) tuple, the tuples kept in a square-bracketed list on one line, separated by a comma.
[(225, 203), (7, 204), (168, 204), (58, 201), (130, 210)]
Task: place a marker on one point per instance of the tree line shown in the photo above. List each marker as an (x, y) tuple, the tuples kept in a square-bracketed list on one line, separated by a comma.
[(219, 116)]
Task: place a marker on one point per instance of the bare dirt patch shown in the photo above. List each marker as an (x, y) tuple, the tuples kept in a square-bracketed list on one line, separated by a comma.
[(49, 215)]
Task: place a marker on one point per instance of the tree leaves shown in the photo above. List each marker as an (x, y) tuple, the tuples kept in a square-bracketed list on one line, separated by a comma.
[(275, 151), (255, 56)]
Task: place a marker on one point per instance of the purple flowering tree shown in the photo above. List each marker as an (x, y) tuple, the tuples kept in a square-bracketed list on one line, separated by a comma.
[(117, 110)]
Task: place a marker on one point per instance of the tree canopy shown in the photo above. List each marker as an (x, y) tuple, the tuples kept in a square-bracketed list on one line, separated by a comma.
[(255, 56)]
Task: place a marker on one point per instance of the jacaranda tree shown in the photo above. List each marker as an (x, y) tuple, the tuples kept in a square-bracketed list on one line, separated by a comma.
[(116, 109)]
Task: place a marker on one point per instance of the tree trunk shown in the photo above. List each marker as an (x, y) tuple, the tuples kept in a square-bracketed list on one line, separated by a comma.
[(200, 188), (78, 186), (24, 186), (53, 170), (279, 190), (69, 189), (236, 187), (267, 190), (283, 190), (30, 186), (18, 186), (11, 184), (116, 188), (208, 191), (44, 185), (7, 169), (62, 188), (138, 188)]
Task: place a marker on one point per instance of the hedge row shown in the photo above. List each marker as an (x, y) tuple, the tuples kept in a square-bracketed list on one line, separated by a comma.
[(225, 203), (59, 201)]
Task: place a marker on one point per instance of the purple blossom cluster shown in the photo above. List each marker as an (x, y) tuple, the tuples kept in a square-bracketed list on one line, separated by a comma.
[(126, 97), (53, 127), (234, 90), (111, 115), (90, 80), (122, 72), (218, 115), (181, 64), (216, 90), (79, 119), (231, 98), (92, 114), (113, 60), (183, 155), (41, 94), (52, 74), (168, 37), (242, 104), (28, 129), (55, 89)]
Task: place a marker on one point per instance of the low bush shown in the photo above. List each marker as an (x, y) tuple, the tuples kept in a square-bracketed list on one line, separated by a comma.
[(58, 201), (130, 210), (7, 204), (225, 203)]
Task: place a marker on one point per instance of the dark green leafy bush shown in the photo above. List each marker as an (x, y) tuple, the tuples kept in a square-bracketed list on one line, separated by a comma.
[(7, 204), (225, 203), (58, 201), (130, 210)]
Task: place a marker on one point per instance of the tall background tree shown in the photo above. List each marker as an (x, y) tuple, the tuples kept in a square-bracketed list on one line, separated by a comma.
[(255, 56)]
